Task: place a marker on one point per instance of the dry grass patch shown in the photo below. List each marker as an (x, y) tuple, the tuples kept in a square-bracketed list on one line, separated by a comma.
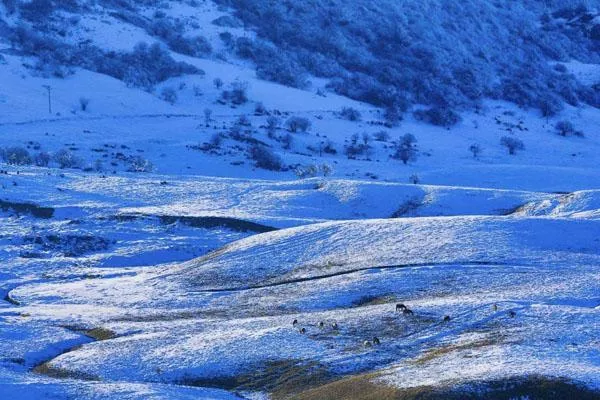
[(281, 378), (359, 387), (362, 387), (438, 352), (365, 301), (51, 371), (100, 334)]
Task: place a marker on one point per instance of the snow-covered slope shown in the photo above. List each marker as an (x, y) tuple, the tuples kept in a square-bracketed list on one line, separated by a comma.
[(213, 320), (158, 237)]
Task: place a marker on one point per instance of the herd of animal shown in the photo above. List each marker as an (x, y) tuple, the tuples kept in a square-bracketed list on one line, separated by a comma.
[(376, 341)]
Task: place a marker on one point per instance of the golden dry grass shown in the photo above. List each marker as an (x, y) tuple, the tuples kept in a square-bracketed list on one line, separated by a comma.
[(100, 334), (363, 387)]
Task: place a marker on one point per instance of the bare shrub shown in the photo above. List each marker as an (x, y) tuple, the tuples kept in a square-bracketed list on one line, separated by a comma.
[(512, 144), (66, 159), (16, 156)]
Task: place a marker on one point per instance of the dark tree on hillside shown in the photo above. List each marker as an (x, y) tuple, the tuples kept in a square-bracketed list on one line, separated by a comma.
[(476, 149), (298, 124), (512, 144), (566, 128), (272, 126), (406, 149)]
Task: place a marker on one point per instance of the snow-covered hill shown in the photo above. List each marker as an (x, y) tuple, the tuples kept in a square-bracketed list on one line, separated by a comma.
[(168, 209)]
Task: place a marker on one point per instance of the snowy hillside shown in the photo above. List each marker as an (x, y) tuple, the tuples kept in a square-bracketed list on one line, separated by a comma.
[(299, 200)]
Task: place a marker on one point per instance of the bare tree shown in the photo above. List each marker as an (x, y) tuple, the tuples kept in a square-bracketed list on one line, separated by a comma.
[(207, 116), (512, 144), (476, 149), (84, 103)]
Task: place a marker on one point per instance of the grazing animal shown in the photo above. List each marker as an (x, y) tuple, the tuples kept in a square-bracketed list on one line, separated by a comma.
[(447, 318), (321, 324), (495, 307), (367, 343), (376, 341), (334, 325), (295, 322), (512, 314), (407, 311), (400, 307), (302, 330)]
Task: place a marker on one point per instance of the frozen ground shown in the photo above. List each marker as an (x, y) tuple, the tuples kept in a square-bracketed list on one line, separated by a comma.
[(182, 282), (97, 300)]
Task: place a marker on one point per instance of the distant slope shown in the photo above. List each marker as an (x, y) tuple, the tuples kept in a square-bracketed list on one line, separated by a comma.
[(443, 53)]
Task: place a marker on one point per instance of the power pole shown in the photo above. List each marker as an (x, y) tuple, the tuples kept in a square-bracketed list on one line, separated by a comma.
[(49, 89)]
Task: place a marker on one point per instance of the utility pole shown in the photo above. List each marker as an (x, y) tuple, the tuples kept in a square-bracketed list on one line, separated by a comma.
[(49, 89)]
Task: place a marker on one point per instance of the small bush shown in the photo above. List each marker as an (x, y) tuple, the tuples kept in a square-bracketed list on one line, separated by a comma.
[(216, 140), (265, 158), (286, 141), (238, 93), (207, 116), (366, 138), (326, 169), (272, 126), (259, 109), (312, 170), (195, 47), (392, 116), (227, 39), (218, 82), (566, 128), (306, 171), (16, 156), (475, 149), (169, 95), (357, 149), (381, 136), (329, 148), (440, 116), (351, 114), (561, 68), (550, 106), (408, 140), (243, 120), (512, 144), (298, 124), (228, 22), (42, 159), (84, 103), (139, 164), (66, 159)]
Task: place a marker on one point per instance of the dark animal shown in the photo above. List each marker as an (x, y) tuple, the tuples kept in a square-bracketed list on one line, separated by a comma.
[(376, 341), (447, 318), (302, 330), (400, 307), (512, 314), (321, 324), (407, 311), (495, 307), (367, 343), (295, 322), (334, 326)]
